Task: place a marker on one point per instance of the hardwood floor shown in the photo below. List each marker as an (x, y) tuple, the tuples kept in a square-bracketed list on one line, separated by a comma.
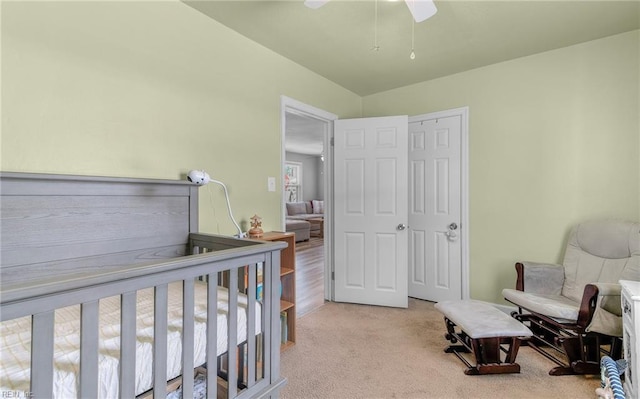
[(309, 275)]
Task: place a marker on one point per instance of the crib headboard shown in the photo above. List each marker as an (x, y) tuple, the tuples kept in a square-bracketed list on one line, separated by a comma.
[(59, 218), (75, 240)]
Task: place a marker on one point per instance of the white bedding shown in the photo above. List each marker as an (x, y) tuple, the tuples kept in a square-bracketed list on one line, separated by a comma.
[(16, 342)]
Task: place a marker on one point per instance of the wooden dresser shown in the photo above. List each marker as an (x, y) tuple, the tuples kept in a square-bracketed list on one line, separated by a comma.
[(288, 281)]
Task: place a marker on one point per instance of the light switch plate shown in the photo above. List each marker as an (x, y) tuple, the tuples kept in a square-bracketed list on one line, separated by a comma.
[(271, 183)]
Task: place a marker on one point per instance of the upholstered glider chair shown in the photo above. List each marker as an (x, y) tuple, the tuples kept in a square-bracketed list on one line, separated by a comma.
[(573, 309)]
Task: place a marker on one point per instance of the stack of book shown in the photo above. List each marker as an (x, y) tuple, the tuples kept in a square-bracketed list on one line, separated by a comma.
[(259, 285), (284, 333)]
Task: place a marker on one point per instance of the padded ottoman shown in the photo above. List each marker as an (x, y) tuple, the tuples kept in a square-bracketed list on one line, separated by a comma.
[(301, 228), (485, 332)]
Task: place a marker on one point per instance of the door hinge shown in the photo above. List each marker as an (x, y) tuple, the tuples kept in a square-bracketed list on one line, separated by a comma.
[(333, 276), (331, 142)]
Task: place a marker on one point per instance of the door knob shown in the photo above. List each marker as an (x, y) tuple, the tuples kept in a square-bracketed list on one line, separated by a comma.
[(401, 227), (451, 234)]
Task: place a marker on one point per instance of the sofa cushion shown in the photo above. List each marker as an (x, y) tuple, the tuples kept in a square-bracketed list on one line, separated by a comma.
[(296, 208), (318, 207), (301, 228)]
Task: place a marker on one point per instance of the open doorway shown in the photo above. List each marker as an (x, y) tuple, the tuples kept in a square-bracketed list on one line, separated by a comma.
[(306, 169)]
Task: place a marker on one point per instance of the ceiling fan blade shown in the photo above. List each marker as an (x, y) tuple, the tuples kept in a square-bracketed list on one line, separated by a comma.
[(313, 4), (421, 9)]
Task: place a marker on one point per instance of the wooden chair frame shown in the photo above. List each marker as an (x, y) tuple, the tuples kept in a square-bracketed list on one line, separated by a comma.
[(569, 345)]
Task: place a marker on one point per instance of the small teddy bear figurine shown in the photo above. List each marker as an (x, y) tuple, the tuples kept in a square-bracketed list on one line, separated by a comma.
[(256, 227)]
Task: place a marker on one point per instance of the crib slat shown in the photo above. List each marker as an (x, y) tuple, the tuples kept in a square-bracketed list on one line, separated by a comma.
[(89, 341), (188, 304), (272, 335), (269, 318), (232, 335), (127, 345), (274, 369), (251, 327), (160, 341), (42, 327), (212, 335)]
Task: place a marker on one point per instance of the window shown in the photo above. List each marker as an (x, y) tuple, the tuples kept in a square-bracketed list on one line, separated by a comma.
[(293, 181)]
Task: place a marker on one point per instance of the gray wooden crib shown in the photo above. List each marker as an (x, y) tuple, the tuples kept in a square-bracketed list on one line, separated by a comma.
[(108, 290)]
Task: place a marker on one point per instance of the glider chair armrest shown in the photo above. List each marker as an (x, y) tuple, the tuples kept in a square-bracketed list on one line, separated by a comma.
[(588, 305), (600, 310), (540, 278)]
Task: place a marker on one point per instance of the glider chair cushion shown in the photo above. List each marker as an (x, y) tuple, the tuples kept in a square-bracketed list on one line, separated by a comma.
[(581, 295)]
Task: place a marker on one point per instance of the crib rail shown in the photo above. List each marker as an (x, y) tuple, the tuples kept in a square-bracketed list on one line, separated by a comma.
[(255, 366)]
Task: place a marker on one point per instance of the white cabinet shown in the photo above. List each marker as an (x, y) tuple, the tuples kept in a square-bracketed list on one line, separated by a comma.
[(631, 344)]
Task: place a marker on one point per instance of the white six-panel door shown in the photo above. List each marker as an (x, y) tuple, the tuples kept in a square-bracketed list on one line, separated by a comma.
[(435, 267), (370, 211)]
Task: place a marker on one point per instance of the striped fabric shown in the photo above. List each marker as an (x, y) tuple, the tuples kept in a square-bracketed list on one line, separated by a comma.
[(610, 378)]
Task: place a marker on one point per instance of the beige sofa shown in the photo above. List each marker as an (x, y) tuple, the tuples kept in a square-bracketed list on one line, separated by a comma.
[(301, 228), (303, 211)]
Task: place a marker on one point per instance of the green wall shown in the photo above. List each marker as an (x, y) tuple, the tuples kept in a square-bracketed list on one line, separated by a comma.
[(154, 89), (554, 139), (150, 89)]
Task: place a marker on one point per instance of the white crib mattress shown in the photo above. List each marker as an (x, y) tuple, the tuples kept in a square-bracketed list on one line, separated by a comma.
[(16, 342)]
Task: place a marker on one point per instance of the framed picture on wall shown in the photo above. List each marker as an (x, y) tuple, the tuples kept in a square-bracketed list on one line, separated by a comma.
[(293, 181)]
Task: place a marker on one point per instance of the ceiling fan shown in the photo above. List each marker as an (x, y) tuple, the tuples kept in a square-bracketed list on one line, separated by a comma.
[(420, 9)]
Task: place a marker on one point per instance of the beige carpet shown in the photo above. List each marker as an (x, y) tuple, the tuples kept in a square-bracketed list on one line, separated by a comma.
[(357, 351)]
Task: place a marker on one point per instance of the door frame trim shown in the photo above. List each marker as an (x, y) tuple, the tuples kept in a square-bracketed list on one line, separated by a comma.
[(291, 105), (463, 112)]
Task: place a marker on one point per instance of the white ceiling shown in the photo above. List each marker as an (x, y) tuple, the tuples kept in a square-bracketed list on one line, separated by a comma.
[(335, 40), (304, 135)]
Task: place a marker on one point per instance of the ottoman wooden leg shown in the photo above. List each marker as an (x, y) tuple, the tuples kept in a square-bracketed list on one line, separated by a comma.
[(486, 351), (487, 354)]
